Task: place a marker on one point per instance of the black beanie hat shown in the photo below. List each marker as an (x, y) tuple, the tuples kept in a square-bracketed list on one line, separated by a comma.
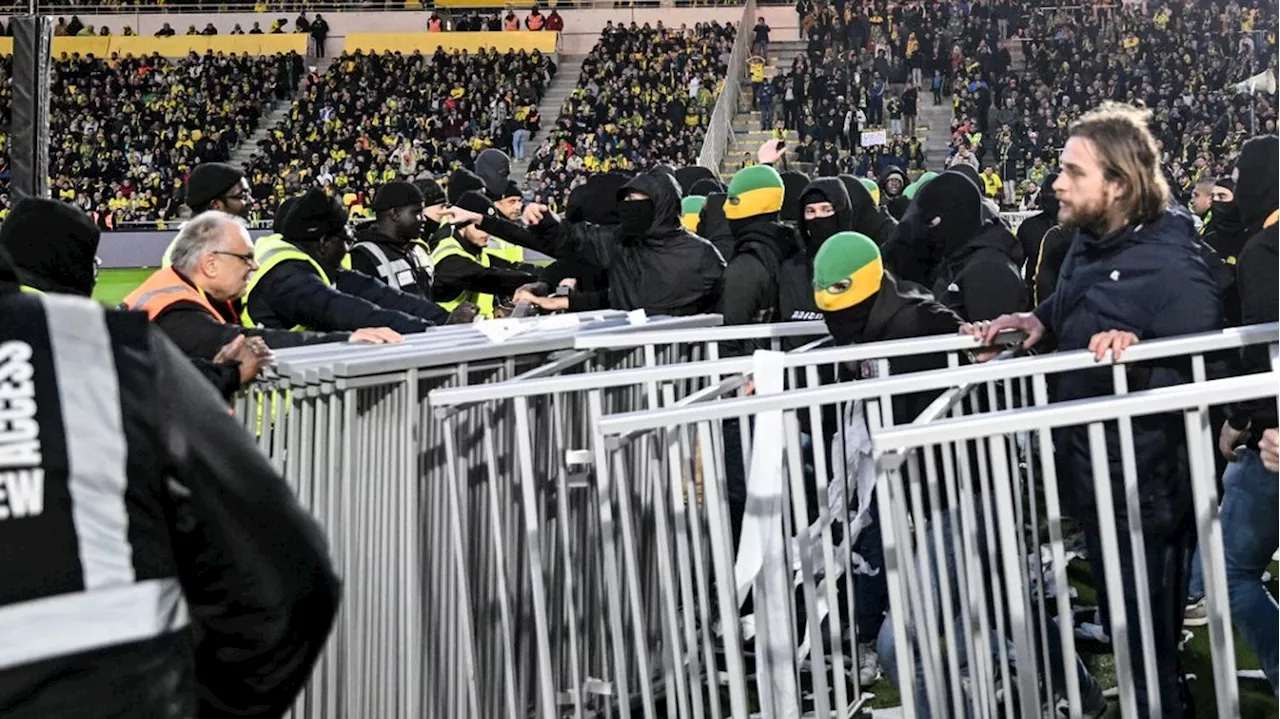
[(52, 244), (397, 193), (314, 215), (706, 186), (475, 201), (512, 190), (277, 222), (461, 182), (432, 194), (209, 181)]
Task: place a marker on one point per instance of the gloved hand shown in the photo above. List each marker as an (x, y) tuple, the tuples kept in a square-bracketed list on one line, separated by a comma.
[(463, 314)]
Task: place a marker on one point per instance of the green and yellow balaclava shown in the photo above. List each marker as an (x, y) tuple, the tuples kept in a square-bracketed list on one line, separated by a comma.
[(873, 187), (846, 272), (755, 190), (690, 211), (913, 188)]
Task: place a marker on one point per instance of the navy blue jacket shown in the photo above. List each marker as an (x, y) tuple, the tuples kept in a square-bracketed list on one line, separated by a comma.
[(293, 294), (1149, 280)]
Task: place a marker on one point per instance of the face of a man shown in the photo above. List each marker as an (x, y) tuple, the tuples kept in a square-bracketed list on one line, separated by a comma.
[(435, 213), (408, 221), (1201, 199), (227, 268), (1222, 194), (237, 201), (819, 210), (1084, 193), (510, 207), (474, 235)]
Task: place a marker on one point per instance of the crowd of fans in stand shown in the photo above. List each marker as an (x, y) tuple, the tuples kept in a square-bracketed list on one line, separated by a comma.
[(378, 117), (126, 131), (1182, 59), (644, 98), (317, 27)]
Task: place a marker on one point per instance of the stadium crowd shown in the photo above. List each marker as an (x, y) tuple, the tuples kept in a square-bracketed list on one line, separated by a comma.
[(126, 131), (373, 118), (644, 98)]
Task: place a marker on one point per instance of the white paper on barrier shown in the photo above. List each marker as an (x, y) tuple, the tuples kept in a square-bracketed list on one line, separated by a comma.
[(637, 317), (761, 552)]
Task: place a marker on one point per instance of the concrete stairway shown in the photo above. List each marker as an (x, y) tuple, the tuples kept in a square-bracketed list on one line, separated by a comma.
[(562, 85), (746, 123), (276, 112), (934, 128)]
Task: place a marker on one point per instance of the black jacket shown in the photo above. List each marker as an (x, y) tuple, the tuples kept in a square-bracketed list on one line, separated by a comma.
[(868, 218), (668, 271), (713, 225), (750, 289), (1147, 279), (981, 280), (1045, 243), (408, 267), (206, 513), (291, 293), (455, 275)]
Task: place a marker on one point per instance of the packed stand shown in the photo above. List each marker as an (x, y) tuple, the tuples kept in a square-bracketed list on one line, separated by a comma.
[(373, 118), (644, 98), (1183, 59), (126, 131)]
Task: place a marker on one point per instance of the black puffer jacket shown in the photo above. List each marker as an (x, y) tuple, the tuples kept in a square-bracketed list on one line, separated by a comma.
[(667, 271)]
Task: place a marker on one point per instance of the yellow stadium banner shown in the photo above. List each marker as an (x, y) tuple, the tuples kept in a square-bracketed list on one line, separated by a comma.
[(427, 42), (177, 46)]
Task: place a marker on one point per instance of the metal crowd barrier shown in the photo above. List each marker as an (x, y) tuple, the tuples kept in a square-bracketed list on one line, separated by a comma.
[(975, 487)]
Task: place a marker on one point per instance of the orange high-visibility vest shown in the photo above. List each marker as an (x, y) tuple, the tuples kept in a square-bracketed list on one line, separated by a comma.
[(162, 289), (434, 25), (535, 22)]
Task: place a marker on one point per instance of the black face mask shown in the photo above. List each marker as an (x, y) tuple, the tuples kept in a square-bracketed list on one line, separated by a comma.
[(635, 217), (849, 326), (1226, 219), (819, 229)]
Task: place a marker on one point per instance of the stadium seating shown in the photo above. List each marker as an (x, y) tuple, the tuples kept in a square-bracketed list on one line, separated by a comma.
[(373, 118), (125, 131), (643, 99), (1182, 60)]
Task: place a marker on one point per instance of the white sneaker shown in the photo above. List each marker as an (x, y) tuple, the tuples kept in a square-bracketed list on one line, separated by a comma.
[(868, 665), (1196, 615)]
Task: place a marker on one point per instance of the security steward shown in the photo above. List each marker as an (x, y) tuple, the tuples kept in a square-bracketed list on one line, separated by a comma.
[(465, 272), (215, 186), (155, 563), (300, 282), (387, 249), (196, 301)]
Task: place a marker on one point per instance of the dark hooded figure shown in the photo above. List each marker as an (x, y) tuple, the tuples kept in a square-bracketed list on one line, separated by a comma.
[(53, 246), (652, 262), (493, 167), (868, 218), (990, 210), (762, 244), (979, 274), (893, 181), (705, 186), (793, 183), (713, 225), (689, 176), (1044, 244), (595, 201)]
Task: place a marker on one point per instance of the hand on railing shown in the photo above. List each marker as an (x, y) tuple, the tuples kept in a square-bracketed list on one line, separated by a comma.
[(376, 336), (1114, 341), (987, 330)]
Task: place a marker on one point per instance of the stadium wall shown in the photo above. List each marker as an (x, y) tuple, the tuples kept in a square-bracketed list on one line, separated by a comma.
[(581, 26)]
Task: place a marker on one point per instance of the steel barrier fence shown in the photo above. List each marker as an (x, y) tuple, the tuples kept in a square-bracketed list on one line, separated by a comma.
[(977, 489), (530, 521)]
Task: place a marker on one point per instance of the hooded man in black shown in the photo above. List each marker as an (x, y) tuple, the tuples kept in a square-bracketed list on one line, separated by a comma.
[(892, 183), (652, 262), (793, 183), (386, 249), (713, 225), (979, 275), (1044, 244), (762, 244), (867, 217)]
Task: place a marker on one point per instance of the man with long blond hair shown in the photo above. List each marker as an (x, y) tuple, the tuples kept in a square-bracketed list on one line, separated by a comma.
[(1133, 273)]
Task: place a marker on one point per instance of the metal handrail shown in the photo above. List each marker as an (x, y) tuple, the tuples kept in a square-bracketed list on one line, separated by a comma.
[(719, 136)]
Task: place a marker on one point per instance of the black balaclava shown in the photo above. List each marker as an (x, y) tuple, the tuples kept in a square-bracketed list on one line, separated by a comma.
[(1046, 199), (956, 202), (814, 232), (635, 217), (1256, 181), (793, 183), (740, 226)]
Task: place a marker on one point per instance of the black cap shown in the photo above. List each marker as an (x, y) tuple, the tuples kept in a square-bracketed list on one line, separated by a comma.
[(277, 222), (397, 193), (463, 181), (432, 193), (475, 201), (512, 190), (52, 245), (315, 215), (209, 181)]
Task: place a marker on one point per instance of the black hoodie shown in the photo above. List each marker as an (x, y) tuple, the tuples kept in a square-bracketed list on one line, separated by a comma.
[(825, 189), (868, 218), (713, 225), (751, 290), (667, 271), (979, 276), (1258, 266)]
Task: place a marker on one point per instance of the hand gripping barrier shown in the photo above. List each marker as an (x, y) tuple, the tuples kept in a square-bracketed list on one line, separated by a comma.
[(970, 486)]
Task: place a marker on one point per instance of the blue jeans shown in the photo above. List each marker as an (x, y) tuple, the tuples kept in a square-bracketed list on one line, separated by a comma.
[(518, 140), (1195, 590), (888, 652), (1250, 503)]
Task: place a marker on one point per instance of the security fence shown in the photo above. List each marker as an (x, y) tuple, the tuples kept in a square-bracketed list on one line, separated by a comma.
[(539, 517)]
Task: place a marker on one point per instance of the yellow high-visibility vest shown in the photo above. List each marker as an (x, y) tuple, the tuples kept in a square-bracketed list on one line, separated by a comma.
[(269, 252), (451, 247)]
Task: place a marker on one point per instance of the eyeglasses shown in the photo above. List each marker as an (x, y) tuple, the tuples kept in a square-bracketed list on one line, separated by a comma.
[(245, 257)]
